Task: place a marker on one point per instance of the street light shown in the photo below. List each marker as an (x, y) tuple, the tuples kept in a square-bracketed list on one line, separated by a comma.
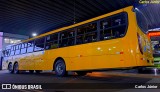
[(34, 34)]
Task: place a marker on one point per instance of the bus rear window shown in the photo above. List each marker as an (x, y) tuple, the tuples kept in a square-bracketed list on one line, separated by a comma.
[(141, 21)]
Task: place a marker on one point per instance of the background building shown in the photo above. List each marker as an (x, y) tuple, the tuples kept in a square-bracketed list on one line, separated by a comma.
[(8, 39)]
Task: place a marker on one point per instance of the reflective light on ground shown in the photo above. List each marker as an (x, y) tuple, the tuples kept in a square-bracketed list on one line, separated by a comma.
[(97, 74), (155, 71)]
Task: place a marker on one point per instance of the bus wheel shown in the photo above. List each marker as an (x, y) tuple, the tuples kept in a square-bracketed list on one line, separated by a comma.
[(38, 71), (10, 69), (15, 68), (31, 71), (141, 70), (60, 68), (81, 73)]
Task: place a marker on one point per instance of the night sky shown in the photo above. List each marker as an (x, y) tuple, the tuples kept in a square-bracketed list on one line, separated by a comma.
[(40, 16)]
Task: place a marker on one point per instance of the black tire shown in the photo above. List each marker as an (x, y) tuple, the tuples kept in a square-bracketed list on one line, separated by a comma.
[(16, 68), (81, 73), (10, 68), (31, 71), (38, 71), (60, 68), (141, 70)]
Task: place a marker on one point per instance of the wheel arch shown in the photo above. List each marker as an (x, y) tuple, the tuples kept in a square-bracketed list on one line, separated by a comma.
[(15, 63), (8, 65)]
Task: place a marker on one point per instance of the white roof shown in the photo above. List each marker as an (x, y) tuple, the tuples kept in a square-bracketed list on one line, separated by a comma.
[(155, 29)]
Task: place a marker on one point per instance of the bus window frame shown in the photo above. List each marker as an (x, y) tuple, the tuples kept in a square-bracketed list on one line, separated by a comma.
[(68, 30), (25, 47), (57, 33), (44, 37), (14, 49), (96, 31), (4, 52), (124, 24), (19, 48), (30, 46)]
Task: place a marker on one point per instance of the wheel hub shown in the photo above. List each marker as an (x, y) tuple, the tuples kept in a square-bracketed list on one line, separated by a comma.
[(59, 68)]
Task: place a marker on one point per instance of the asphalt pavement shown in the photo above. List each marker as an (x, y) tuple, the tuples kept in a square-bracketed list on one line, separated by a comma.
[(106, 81)]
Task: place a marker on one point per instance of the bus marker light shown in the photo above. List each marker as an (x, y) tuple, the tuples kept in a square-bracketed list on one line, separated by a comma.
[(79, 55), (121, 52)]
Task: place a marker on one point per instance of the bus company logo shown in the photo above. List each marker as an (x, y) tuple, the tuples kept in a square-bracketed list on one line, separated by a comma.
[(17, 86), (6, 86), (149, 1)]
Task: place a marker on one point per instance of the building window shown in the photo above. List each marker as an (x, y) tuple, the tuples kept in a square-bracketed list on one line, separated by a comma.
[(6, 40), (11, 41)]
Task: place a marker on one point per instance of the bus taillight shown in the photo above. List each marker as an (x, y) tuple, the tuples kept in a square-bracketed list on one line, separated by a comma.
[(139, 43)]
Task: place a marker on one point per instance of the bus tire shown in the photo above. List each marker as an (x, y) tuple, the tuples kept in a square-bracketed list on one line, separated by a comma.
[(31, 71), (81, 73), (141, 70), (60, 68), (10, 69), (15, 68)]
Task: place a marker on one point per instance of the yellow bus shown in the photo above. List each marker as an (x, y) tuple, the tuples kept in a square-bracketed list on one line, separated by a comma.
[(111, 41)]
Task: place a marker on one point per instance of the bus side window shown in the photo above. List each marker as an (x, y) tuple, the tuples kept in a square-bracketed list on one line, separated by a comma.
[(12, 50), (71, 41), (119, 25), (67, 38), (91, 33), (91, 37), (51, 41), (63, 39), (105, 34), (30, 46), (17, 49), (23, 48), (105, 23), (80, 36), (51, 45), (39, 44), (113, 27), (6, 53), (87, 33), (79, 39), (51, 37), (118, 20), (71, 37), (119, 31)]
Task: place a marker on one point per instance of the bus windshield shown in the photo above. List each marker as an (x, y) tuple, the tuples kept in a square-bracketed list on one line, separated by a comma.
[(141, 20)]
